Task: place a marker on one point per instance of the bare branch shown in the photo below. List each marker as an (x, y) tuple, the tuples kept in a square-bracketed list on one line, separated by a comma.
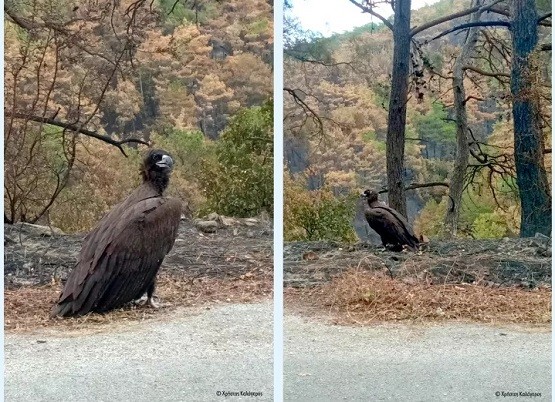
[(315, 117), (416, 30), (420, 185), (473, 24), (320, 62), (173, 7), (21, 22), (487, 73), (544, 17), (370, 11), (77, 129)]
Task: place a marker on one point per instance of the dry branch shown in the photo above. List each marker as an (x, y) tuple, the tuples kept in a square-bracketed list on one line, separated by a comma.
[(77, 129)]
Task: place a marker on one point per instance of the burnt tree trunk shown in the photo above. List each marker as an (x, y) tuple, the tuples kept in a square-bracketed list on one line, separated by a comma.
[(535, 197), (395, 144), (462, 152)]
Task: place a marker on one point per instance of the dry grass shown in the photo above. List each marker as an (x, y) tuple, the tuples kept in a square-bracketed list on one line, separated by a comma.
[(28, 308), (362, 297)]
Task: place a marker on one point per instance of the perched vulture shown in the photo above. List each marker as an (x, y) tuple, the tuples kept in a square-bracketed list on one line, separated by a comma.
[(392, 227), (120, 257)]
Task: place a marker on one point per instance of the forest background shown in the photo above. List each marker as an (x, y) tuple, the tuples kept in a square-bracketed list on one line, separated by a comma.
[(337, 94), (87, 82)]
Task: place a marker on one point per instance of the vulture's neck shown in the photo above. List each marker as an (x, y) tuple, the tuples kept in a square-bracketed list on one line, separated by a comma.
[(158, 181)]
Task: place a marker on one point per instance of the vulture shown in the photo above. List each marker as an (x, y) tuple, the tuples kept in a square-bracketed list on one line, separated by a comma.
[(120, 257), (392, 227)]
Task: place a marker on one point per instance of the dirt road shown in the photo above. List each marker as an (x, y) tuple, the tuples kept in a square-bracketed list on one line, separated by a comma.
[(393, 362), (188, 355)]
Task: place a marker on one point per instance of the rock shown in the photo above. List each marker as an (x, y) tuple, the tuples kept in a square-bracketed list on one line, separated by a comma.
[(212, 216), (311, 255), (37, 230), (207, 226), (250, 222), (227, 221)]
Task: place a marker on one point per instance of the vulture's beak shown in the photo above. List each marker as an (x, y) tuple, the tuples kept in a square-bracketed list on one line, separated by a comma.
[(165, 162)]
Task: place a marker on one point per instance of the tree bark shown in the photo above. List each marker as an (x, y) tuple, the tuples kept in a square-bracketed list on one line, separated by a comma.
[(535, 196), (395, 143), (462, 151)]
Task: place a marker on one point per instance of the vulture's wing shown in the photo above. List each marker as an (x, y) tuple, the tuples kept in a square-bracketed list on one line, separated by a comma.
[(403, 225), (389, 227), (121, 257), (381, 221)]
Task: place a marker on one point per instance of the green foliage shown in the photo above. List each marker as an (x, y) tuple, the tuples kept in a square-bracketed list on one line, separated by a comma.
[(370, 136), (318, 215), (480, 217), (189, 148), (239, 182), (257, 27), (430, 220), (434, 126), (489, 225), (175, 14), (191, 152), (544, 6), (52, 145)]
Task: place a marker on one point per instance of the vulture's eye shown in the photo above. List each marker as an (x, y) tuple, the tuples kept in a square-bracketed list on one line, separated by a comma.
[(157, 157)]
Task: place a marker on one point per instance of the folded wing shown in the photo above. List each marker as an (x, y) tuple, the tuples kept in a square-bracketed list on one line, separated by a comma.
[(121, 256)]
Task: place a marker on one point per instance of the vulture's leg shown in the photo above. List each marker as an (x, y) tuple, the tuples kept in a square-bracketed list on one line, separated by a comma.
[(394, 247), (384, 243), (150, 294)]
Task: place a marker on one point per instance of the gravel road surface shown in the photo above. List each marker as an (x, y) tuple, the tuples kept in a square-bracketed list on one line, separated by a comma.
[(191, 355), (448, 362), (183, 356)]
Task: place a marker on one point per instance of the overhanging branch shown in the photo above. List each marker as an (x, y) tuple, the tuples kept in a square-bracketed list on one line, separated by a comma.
[(473, 24), (420, 185), (78, 129), (369, 10)]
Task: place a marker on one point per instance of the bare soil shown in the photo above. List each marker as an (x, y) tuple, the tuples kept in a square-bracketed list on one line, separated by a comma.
[(232, 265), (495, 281)]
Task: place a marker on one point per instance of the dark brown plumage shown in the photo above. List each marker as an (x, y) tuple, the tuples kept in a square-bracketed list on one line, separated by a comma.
[(392, 227), (121, 256)]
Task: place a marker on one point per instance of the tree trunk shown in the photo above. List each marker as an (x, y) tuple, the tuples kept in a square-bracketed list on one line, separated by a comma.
[(535, 197), (462, 152), (395, 144)]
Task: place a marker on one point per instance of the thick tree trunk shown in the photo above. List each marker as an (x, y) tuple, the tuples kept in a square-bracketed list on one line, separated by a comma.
[(395, 145), (462, 152), (535, 197)]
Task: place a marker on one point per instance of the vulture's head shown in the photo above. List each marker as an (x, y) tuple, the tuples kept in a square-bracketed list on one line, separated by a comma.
[(157, 166), (370, 195)]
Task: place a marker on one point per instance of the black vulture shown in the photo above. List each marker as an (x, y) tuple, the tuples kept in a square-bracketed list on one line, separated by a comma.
[(121, 256), (392, 227)]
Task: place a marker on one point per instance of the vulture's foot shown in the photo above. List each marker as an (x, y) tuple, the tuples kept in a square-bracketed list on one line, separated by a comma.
[(151, 303), (156, 305)]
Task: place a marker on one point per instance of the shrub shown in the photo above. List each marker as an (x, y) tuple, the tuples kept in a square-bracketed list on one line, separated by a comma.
[(318, 214), (430, 220), (239, 181), (488, 226), (192, 152)]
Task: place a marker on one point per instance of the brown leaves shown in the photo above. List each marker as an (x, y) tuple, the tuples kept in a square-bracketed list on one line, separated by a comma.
[(363, 298)]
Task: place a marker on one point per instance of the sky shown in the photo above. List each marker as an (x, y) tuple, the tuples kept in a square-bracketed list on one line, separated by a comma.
[(337, 16)]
